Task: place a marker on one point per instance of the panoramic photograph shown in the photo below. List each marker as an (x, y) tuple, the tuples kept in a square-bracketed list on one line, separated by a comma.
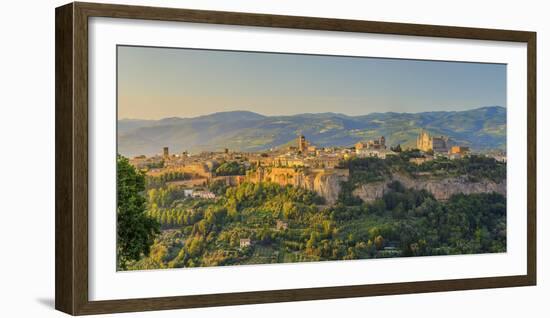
[(229, 158)]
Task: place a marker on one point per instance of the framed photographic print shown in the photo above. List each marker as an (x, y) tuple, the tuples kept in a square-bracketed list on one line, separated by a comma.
[(211, 158)]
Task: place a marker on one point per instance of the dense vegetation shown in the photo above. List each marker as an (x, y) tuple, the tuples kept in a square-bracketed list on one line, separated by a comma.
[(474, 168), (289, 224), (404, 222), (160, 179), (135, 229), (230, 168)]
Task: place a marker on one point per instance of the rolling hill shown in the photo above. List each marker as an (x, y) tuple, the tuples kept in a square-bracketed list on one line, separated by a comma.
[(481, 129)]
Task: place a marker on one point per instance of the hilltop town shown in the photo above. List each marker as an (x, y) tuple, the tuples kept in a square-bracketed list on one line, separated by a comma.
[(303, 164)]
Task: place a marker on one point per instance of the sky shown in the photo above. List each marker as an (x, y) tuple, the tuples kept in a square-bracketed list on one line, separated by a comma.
[(155, 83)]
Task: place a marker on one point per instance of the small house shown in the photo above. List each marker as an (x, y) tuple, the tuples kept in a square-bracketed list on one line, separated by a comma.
[(281, 225), (245, 242)]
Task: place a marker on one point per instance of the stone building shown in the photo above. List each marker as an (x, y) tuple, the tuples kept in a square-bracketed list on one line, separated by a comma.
[(439, 144), (376, 153), (281, 225), (425, 142), (245, 242), (459, 150), (302, 143), (373, 144)]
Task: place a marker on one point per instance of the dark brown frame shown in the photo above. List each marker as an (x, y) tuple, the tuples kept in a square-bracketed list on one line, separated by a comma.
[(71, 157)]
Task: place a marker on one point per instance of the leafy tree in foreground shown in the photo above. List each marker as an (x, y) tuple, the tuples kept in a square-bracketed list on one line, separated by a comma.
[(135, 230)]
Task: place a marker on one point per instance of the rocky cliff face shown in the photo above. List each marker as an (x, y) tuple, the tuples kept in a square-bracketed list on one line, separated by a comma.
[(442, 189), (325, 182), (328, 185)]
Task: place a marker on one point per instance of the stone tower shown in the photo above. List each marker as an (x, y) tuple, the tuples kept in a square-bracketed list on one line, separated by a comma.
[(382, 142), (302, 143)]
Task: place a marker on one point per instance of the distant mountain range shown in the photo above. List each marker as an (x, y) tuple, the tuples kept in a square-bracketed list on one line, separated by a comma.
[(481, 129)]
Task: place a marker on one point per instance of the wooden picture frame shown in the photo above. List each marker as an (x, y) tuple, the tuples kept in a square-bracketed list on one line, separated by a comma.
[(71, 122)]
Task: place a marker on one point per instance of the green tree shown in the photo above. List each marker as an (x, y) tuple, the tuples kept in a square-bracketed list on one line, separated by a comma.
[(379, 242), (135, 230), (396, 148), (231, 168)]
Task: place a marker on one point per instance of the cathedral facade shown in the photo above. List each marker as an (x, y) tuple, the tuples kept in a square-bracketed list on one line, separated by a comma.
[(425, 142)]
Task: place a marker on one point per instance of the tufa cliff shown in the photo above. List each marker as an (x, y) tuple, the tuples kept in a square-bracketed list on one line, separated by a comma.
[(325, 182), (442, 189)]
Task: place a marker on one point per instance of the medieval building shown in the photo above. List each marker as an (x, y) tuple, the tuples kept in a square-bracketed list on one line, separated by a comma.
[(378, 144), (302, 143), (426, 143)]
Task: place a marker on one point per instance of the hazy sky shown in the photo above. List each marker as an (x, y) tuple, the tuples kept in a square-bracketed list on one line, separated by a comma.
[(156, 83)]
